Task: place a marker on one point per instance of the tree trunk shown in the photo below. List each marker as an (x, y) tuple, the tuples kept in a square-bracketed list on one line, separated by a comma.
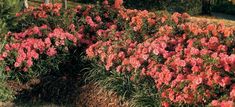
[(47, 1), (65, 2), (26, 4), (206, 7)]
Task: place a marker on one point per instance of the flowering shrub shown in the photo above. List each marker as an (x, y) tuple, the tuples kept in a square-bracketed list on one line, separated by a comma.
[(34, 45), (188, 62), (182, 57), (50, 14)]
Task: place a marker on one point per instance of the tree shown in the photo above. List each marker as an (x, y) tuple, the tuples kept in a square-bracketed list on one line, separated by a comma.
[(206, 7)]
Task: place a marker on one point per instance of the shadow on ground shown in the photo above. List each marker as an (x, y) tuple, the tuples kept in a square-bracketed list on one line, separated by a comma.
[(65, 87), (224, 16), (51, 89), (60, 87), (55, 88)]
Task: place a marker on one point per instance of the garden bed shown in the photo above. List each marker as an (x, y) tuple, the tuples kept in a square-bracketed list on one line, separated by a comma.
[(145, 58)]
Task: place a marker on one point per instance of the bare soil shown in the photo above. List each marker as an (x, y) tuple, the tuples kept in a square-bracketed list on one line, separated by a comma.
[(89, 95), (208, 19), (93, 96)]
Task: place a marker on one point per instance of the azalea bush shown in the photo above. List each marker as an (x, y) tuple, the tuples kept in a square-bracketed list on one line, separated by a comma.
[(180, 56), (148, 58), (44, 38), (52, 15)]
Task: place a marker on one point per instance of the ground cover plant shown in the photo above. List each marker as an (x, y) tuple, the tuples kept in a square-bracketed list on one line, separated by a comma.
[(148, 58)]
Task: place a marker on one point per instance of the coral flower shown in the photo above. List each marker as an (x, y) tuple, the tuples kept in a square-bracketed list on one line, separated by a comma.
[(118, 3), (51, 51)]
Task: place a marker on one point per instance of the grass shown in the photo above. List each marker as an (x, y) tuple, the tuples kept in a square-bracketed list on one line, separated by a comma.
[(138, 93)]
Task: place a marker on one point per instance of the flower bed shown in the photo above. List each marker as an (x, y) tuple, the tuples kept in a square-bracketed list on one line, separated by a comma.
[(185, 63), (189, 62)]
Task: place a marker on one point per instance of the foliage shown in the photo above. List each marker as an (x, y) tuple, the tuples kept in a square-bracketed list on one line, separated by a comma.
[(180, 56), (5, 93), (8, 9), (226, 7), (148, 58), (3, 27), (193, 7), (51, 15)]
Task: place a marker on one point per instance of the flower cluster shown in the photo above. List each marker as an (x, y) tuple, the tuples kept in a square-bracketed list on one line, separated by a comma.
[(190, 62), (44, 37), (27, 46), (43, 11)]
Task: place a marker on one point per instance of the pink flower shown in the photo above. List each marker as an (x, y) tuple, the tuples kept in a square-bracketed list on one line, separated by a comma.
[(195, 69), (134, 62), (165, 104), (198, 80), (105, 2), (17, 64), (29, 63), (211, 27), (156, 52), (175, 17), (118, 3), (90, 22), (227, 104), (119, 68), (4, 54), (225, 81), (232, 94), (51, 51), (98, 19), (180, 63), (72, 27), (7, 68), (215, 103), (121, 55), (213, 40)]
